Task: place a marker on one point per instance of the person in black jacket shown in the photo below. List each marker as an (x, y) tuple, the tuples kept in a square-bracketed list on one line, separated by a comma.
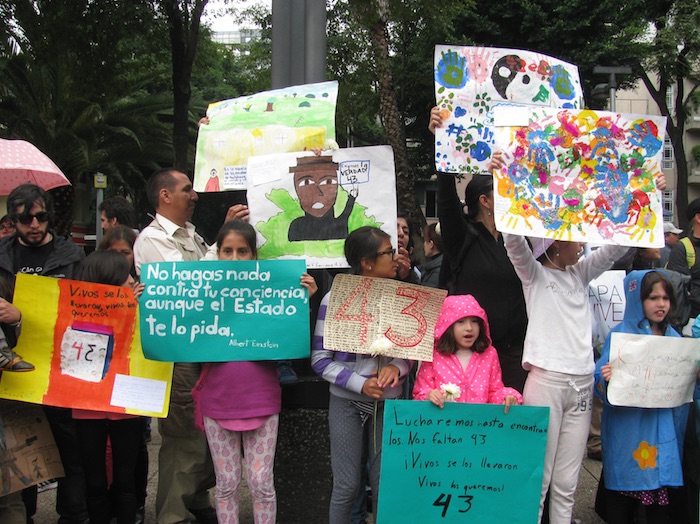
[(35, 249), (475, 262)]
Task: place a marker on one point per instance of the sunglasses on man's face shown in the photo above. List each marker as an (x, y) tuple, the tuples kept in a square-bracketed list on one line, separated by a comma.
[(27, 219)]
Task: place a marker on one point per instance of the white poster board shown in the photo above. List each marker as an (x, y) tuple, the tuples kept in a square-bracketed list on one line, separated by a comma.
[(651, 371)]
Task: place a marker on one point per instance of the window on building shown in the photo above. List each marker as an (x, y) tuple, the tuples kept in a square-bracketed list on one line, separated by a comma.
[(670, 100), (669, 200), (667, 161)]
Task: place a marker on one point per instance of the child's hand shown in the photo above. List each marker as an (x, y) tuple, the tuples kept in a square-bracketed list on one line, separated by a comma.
[(237, 211), (606, 371), (660, 181), (372, 389), (309, 283), (498, 161), (435, 119), (388, 376), (9, 314), (509, 401), (138, 289), (203, 121), (437, 397)]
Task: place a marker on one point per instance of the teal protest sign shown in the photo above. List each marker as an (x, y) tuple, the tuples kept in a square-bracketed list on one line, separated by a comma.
[(463, 463), (221, 311)]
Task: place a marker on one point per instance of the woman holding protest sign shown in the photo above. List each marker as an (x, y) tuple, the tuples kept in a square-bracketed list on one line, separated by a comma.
[(358, 386), (476, 263), (239, 403)]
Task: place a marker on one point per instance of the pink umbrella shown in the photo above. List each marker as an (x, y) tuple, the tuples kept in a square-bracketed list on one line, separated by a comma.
[(22, 162)]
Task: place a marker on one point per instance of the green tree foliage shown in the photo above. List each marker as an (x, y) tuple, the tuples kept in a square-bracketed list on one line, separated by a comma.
[(583, 32), (671, 59), (390, 83)]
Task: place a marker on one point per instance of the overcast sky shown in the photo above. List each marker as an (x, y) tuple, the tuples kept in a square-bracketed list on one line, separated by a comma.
[(227, 22)]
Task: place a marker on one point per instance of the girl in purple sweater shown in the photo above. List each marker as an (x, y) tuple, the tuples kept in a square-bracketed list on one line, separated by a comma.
[(240, 403)]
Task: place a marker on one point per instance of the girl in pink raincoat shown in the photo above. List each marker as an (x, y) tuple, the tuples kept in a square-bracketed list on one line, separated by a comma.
[(463, 357)]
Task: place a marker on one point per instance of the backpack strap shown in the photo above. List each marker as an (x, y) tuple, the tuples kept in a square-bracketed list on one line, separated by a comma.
[(689, 251)]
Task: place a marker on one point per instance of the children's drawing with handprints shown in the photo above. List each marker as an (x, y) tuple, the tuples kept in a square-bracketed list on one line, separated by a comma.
[(305, 205), (294, 118), (470, 82), (584, 176)]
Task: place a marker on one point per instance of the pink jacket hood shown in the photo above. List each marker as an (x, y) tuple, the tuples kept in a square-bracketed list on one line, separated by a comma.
[(456, 307)]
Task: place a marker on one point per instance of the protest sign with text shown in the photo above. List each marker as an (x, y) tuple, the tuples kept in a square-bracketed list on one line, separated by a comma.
[(84, 340), (363, 309), (462, 463), (220, 311), (652, 372), (606, 296)]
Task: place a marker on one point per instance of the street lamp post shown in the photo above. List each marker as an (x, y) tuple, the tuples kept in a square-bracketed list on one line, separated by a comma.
[(612, 80)]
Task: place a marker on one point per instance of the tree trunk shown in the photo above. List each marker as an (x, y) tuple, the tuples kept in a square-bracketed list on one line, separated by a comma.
[(184, 36), (374, 15)]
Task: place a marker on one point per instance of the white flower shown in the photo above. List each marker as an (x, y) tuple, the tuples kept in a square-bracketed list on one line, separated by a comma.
[(380, 347), (330, 145), (451, 391)]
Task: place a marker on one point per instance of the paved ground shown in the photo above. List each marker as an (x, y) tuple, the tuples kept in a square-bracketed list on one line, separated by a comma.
[(585, 495)]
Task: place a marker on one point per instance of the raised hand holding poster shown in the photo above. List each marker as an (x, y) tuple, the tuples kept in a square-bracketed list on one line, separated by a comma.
[(84, 340), (293, 118), (586, 176), (362, 310), (220, 311), (462, 463), (304, 205), (652, 372), (472, 83)]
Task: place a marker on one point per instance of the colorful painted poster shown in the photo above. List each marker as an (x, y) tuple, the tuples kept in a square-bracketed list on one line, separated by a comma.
[(84, 340), (303, 205), (606, 296), (585, 176), (652, 372), (474, 84), (219, 311), (28, 452), (296, 118), (362, 310), (462, 463)]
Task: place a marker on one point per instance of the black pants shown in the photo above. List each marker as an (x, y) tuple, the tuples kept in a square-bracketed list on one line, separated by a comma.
[(125, 436), (622, 509), (70, 497)]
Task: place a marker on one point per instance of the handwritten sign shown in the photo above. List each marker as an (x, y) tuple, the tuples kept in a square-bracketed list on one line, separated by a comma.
[(223, 311), (652, 372), (606, 296), (79, 353), (28, 452), (463, 463), (363, 309)]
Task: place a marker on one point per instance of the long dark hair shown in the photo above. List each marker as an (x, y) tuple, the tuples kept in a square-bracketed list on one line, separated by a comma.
[(241, 228), (363, 243), (104, 267), (115, 234), (447, 345), (647, 286)]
